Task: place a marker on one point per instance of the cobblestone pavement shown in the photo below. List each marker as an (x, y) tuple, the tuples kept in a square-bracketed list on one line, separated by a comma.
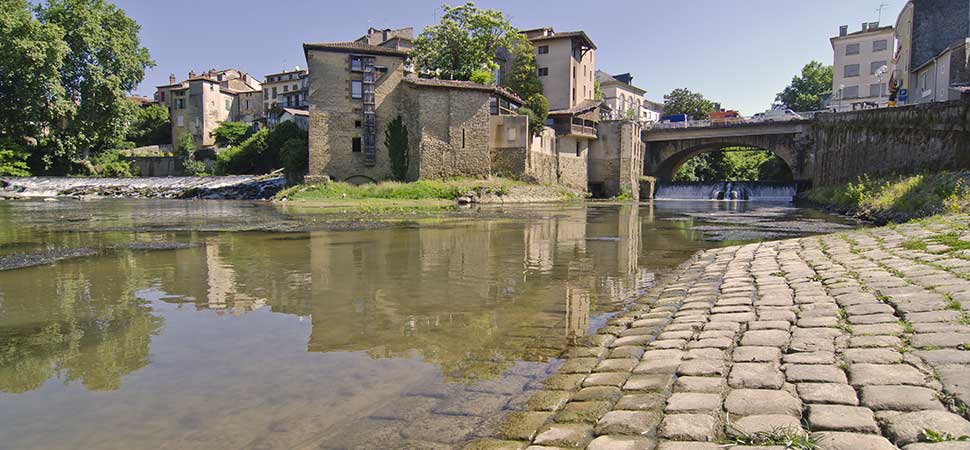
[(856, 341)]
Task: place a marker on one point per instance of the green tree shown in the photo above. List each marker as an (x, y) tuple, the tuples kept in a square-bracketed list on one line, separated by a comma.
[(396, 140), (523, 76), (13, 159), (295, 157), (231, 133), (104, 61), (537, 108), (185, 145), (31, 57), (150, 126), (683, 101), (805, 91), (465, 41)]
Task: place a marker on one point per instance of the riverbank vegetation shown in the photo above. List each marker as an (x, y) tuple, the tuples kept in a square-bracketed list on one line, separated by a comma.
[(737, 164), (897, 199)]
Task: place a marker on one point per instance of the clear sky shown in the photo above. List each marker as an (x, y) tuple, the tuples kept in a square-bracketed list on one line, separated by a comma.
[(738, 52)]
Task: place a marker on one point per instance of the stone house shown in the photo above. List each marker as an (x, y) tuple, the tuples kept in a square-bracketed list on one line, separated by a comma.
[(936, 46), (287, 89), (200, 103)]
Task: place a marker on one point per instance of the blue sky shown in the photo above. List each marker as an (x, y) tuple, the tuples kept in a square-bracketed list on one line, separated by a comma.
[(738, 52)]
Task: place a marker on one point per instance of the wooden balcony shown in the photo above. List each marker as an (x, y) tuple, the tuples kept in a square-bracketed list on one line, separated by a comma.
[(582, 131)]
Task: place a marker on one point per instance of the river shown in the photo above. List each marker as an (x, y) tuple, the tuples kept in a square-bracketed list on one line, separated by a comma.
[(173, 324)]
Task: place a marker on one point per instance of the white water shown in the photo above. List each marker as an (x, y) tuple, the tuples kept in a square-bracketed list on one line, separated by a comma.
[(52, 186), (755, 191)]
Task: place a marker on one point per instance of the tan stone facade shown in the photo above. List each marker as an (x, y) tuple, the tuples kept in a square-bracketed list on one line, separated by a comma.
[(199, 104), (616, 159)]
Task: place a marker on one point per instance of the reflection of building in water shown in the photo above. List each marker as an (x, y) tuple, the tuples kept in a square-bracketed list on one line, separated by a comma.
[(577, 311), (221, 278)]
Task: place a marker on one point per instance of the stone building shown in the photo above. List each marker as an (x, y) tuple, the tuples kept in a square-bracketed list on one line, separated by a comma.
[(200, 103), (624, 99), (616, 159), (356, 90), (861, 66)]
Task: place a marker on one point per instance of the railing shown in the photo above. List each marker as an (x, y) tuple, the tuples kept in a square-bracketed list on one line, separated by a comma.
[(582, 130)]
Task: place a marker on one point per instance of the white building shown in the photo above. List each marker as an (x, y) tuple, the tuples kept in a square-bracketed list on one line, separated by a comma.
[(862, 63), (624, 99)]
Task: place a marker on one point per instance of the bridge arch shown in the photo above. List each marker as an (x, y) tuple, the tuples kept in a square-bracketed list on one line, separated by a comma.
[(668, 149), (668, 167)]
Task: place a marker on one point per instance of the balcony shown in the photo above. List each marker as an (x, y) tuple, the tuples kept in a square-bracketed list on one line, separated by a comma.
[(582, 130)]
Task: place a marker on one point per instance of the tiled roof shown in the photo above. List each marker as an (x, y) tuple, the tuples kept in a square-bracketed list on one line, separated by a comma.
[(297, 112), (566, 34), (456, 84), (353, 47), (581, 107)]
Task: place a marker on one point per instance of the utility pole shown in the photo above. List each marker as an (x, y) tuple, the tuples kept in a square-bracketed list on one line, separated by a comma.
[(882, 6)]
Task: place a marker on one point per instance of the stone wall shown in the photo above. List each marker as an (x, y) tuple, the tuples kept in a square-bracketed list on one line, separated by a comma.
[(156, 166), (934, 136), (616, 159), (936, 25), (452, 131)]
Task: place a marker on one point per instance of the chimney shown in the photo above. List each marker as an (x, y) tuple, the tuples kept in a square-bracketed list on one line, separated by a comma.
[(171, 78), (191, 74), (385, 34), (873, 26), (843, 30), (865, 27)]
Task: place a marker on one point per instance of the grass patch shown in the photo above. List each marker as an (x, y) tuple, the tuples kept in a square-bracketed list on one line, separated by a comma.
[(788, 437), (914, 244), (392, 190), (953, 241), (897, 198), (929, 435), (907, 327)]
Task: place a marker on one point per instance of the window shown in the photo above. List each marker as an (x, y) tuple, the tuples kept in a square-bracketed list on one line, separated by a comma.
[(574, 95), (462, 138), (274, 91), (850, 92), (356, 145), (296, 87), (851, 70), (248, 104), (875, 66), (880, 46), (852, 49), (356, 89), (512, 134), (356, 63), (877, 90), (286, 88), (180, 103), (543, 71), (163, 96), (356, 124), (543, 49), (180, 121), (574, 72), (924, 82), (579, 149)]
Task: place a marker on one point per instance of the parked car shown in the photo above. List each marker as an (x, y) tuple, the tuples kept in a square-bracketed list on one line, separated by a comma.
[(726, 118), (776, 115)]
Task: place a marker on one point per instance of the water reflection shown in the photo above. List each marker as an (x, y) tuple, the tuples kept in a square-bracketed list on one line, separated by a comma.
[(360, 339)]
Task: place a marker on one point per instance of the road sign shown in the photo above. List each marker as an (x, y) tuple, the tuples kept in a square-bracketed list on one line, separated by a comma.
[(902, 95)]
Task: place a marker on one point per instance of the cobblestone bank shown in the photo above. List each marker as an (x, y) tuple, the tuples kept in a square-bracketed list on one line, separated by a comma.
[(855, 341)]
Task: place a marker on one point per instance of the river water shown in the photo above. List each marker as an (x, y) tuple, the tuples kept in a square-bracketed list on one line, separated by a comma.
[(227, 325)]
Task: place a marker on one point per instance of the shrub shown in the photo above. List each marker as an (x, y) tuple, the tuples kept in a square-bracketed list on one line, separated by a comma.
[(195, 168), (185, 145), (272, 157), (539, 106), (13, 159), (232, 133), (111, 163), (242, 158), (295, 157), (396, 140), (482, 76)]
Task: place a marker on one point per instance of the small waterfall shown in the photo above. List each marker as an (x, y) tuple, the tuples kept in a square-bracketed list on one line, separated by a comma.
[(755, 191)]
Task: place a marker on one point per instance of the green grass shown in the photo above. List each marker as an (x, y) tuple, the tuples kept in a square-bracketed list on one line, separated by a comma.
[(391, 190), (790, 438), (897, 198), (953, 241), (915, 244)]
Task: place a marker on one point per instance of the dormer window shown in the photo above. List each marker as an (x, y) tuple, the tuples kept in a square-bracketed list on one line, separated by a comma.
[(356, 64)]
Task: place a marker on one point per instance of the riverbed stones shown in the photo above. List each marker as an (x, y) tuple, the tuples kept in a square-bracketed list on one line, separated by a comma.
[(522, 425), (635, 423), (569, 435), (689, 427)]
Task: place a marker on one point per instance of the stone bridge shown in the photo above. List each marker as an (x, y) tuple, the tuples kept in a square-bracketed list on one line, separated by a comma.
[(668, 149)]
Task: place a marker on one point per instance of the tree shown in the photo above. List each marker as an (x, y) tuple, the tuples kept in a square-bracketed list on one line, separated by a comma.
[(150, 126), (396, 141), (231, 133), (31, 58), (103, 62), (523, 76), (805, 91), (13, 159), (465, 41), (683, 101)]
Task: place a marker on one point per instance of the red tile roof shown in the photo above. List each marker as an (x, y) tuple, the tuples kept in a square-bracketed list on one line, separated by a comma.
[(457, 84), (354, 47)]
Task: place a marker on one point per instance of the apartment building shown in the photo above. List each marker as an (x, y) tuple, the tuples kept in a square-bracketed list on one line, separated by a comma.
[(287, 89), (566, 62), (200, 103), (861, 66)]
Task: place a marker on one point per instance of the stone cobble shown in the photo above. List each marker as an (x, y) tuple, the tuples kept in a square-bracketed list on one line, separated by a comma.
[(854, 341)]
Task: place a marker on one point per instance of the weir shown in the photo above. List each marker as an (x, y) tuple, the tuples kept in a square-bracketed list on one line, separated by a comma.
[(755, 191)]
